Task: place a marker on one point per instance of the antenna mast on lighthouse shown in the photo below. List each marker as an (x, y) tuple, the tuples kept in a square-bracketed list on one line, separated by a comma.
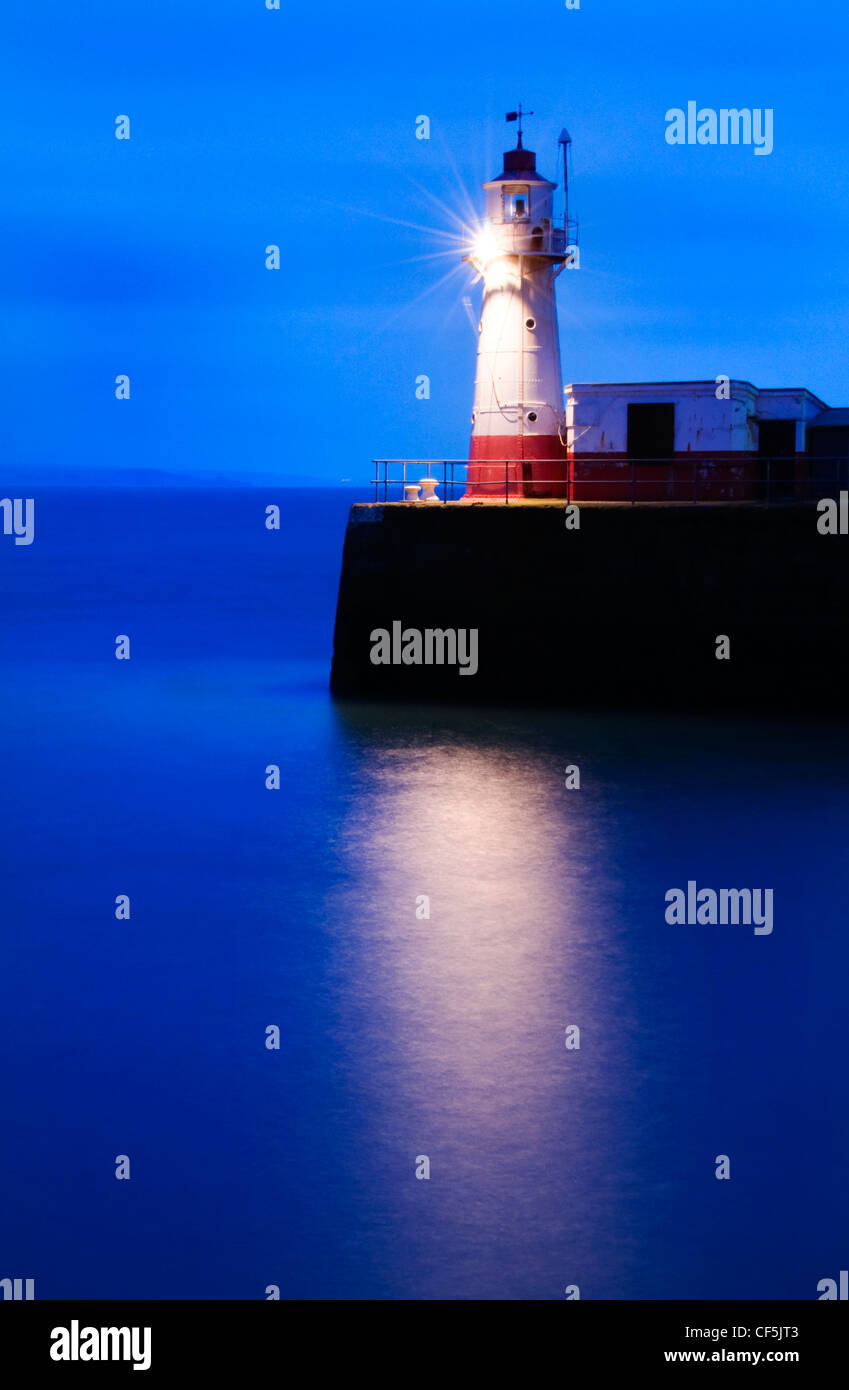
[(565, 140)]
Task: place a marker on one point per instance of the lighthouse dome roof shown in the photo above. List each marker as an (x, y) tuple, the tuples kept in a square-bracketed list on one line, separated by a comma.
[(520, 165), (520, 160)]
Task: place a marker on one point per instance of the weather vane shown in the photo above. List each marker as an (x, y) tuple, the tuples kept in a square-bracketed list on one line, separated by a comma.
[(517, 116)]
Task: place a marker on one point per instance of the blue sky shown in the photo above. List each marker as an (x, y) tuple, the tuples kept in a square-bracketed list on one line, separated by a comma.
[(297, 127)]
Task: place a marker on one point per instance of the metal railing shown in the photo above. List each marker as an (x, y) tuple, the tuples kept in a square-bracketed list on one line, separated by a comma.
[(770, 481), (521, 238), (547, 238)]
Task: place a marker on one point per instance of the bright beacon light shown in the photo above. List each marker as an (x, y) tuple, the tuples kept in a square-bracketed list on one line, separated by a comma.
[(484, 247)]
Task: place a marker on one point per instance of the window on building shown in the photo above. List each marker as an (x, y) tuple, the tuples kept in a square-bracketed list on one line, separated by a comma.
[(516, 205), (651, 431)]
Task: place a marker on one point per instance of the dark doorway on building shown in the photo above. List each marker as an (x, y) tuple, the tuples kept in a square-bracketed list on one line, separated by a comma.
[(828, 454), (777, 450), (651, 431)]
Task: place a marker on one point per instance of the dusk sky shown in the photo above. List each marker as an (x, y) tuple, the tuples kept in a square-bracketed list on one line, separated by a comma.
[(297, 127), (329, 974)]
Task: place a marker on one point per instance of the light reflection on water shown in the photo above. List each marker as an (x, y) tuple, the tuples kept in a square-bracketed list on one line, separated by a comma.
[(548, 1166)]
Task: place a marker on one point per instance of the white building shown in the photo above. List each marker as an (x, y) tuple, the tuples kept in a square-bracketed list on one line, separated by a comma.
[(725, 439)]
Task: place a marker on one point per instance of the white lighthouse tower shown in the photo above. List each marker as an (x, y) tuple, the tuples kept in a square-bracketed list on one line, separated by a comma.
[(518, 416)]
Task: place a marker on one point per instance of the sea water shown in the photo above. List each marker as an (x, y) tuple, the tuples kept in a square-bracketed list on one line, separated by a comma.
[(466, 954)]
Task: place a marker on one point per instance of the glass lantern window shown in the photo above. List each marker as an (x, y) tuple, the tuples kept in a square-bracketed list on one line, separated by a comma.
[(516, 205)]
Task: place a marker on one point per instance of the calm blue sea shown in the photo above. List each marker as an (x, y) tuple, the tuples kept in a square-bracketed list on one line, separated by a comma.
[(400, 1036)]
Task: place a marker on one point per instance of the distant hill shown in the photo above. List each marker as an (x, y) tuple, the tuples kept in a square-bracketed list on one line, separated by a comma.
[(16, 476)]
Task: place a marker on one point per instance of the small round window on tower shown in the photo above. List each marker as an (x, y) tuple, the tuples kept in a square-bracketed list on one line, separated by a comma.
[(532, 415), (530, 323)]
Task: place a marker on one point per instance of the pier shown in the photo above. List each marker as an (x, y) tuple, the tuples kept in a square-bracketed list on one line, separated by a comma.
[(627, 607)]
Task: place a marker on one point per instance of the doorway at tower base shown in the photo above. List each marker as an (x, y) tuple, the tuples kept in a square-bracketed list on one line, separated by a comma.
[(516, 466)]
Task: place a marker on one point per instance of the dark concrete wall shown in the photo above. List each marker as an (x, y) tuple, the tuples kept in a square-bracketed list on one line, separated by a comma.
[(624, 611)]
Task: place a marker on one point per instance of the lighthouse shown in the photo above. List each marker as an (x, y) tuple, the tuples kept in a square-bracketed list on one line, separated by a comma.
[(518, 443)]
